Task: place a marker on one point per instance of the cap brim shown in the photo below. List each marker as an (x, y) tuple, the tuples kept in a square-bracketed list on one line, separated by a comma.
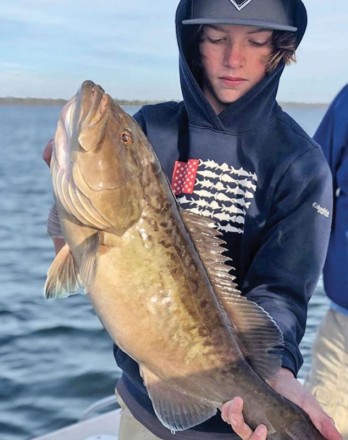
[(256, 23)]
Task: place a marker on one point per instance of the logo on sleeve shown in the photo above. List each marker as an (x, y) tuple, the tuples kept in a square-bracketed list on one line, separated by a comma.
[(322, 211), (240, 4)]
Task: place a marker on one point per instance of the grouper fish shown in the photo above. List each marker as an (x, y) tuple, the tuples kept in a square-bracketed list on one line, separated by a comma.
[(157, 276)]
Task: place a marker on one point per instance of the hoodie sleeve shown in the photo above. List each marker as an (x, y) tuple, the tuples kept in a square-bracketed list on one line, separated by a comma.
[(288, 263), (332, 133), (324, 136)]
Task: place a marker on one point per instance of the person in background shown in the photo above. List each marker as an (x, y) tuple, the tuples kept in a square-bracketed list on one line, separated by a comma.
[(328, 377), (234, 156)]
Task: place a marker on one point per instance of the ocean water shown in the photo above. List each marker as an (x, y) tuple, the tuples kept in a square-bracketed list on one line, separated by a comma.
[(56, 359)]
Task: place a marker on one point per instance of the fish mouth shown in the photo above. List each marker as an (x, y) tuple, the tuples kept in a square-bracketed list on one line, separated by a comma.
[(92, 102)]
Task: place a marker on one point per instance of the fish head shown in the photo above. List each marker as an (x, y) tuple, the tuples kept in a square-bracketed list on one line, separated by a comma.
[(97, 145), (103, 142)]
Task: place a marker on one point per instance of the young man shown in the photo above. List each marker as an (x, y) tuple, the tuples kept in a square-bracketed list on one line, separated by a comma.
[(328, 378), (233, 155)]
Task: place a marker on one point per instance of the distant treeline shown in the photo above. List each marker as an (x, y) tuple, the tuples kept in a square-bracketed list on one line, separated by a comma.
[(31, 101), (44, 101), (123, 102)]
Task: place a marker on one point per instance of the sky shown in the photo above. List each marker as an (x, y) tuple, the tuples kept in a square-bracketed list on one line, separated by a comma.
[(49, 47)]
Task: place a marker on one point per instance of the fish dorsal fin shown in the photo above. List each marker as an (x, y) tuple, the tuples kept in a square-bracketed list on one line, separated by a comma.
[(260, 337), (177, 411), (62, 276)]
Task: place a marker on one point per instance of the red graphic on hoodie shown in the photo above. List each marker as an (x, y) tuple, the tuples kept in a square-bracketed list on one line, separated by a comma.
[(184, 176)]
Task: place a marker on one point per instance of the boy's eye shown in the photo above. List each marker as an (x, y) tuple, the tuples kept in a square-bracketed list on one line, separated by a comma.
[(258, 43), (216, 40)]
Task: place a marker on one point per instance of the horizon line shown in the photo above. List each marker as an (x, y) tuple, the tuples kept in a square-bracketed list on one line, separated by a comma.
[(135, 102)]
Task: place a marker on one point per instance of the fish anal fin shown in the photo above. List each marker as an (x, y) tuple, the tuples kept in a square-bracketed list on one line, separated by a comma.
[(259, 336), (62, 276), (176, 410)]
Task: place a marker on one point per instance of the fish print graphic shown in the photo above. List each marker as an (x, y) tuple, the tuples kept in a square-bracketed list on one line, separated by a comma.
[(217, 191)]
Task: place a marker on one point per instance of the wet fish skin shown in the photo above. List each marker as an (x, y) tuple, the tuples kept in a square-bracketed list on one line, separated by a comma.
[(157, 277)]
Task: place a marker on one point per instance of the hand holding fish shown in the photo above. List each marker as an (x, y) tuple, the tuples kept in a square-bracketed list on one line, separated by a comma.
[(285, 384), (232, 413)]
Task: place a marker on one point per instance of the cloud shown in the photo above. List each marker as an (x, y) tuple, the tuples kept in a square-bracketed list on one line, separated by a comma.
[(49, 46), (82, 38), (321, 68)]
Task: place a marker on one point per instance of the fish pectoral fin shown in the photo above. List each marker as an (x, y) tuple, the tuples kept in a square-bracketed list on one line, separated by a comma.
[(62, 276), (88, 266), (53, 224), (175, 409)]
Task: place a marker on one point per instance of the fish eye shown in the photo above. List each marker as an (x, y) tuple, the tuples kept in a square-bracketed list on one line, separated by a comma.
[(126, 137)]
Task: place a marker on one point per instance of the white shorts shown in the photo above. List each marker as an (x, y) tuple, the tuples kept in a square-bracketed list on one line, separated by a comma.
[(328, 377), (130, 428)]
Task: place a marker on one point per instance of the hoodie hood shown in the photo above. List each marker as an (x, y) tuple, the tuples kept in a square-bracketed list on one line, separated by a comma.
[(259, 104)]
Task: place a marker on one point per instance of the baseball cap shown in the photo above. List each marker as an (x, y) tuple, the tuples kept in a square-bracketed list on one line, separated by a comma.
[(267, 14)]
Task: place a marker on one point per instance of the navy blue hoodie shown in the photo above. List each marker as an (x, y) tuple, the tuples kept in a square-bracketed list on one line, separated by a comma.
[(332, 135), (266, 185)]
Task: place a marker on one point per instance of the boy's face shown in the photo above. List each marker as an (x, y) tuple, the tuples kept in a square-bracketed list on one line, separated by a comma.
[(234, 59)]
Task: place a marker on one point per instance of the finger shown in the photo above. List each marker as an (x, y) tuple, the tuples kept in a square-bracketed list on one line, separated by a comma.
[(246, 433), (232, 412), (234, 406), (320, 419), (260, 433), (329, 430), (285, 384)]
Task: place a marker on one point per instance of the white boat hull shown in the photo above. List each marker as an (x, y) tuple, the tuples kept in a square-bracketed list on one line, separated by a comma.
[(103, 427)]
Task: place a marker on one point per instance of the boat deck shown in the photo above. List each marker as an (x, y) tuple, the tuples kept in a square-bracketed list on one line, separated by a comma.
[(101, 427)]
